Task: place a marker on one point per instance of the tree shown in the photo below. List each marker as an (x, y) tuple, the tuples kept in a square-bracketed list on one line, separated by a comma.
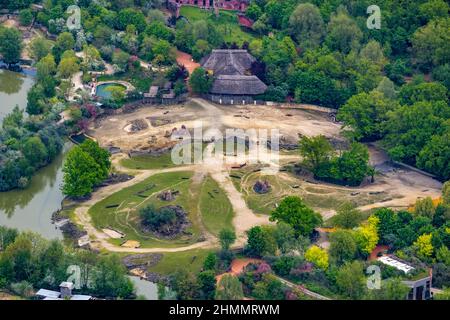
[(424, 207), (347, 216), (387, 88), (35, 100), (307, 25), (226, 237), (343, 33), (68, 67), (25, 17), (424, 246), (229, 288), (80, 173), (210, 262), (200, 81), (391, 289), (433, 9), (121, 59), (64, 42), (46, 67), (260, 241), (269, 288), (445, 295), (10, 45), (293, 211), (185, 285), (100, 155), (431, 43), (366, 115), (315, 150), (446, 193), (130, 16), (110, 280), (350, 280), (343, 246), (373, 52), (35, 151), (317, 256), (367, 235), (40, 47), (207, 282)]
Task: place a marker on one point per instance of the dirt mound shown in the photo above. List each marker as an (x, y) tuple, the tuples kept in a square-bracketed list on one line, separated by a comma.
[(136, 125)]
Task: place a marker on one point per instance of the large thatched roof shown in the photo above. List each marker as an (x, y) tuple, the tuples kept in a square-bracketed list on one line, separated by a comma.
[(238, 85), (228, 62)]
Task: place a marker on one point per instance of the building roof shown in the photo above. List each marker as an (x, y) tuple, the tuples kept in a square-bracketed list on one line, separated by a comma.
[(48, 294), (396, 264), (238, 85), (80, 297), (170, 95), (228, 62), (68, 285), (153, 92)]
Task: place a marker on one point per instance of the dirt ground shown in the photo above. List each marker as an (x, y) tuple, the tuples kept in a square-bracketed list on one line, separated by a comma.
[(400, 187)]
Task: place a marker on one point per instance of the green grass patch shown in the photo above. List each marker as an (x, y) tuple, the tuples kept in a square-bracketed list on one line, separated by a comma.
[(148, 162), (191, 260), (227, 23), (120, 211), (217, 211)]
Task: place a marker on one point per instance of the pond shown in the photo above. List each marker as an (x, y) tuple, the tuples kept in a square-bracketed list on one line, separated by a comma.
[(13, 91), (103, 90), (31, 209), (145, 288)]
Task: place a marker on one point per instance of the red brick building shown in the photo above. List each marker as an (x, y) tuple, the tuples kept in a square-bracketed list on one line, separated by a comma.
[(238, 5)]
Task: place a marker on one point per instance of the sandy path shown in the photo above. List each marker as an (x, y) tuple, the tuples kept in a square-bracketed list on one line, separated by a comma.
[(185, 60)]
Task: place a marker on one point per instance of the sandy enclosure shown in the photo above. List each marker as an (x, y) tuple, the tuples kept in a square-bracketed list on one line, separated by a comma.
[(156, 123)]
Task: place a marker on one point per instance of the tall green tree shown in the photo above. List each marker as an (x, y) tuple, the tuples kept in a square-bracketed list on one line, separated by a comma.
[(307, 25), (81, 173), (200, 81), (10, 45), (229, 288), (293, 211)]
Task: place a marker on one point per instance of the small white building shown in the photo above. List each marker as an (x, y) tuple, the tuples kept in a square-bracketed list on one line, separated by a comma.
[(65, 293)]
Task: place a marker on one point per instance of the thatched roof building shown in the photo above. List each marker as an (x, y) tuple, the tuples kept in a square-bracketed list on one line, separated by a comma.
[(228, 62), (238, 85), (233, 79)]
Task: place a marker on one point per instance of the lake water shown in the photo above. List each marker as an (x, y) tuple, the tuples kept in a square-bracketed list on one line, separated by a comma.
[(145, 288), (31, 209), (13, 91)]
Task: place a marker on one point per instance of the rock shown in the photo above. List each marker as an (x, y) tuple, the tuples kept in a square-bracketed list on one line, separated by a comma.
[(167, 196), (261, 187)]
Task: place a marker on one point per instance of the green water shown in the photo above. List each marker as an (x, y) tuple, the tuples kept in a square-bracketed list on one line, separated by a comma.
[(31, 209), (13, 91), (103, 92)]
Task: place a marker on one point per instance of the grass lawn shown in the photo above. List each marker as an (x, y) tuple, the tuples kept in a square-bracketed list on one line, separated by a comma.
[(148, 162), (227, 23), (216, 209), (191, 260), (120, 211), (320, 197)]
